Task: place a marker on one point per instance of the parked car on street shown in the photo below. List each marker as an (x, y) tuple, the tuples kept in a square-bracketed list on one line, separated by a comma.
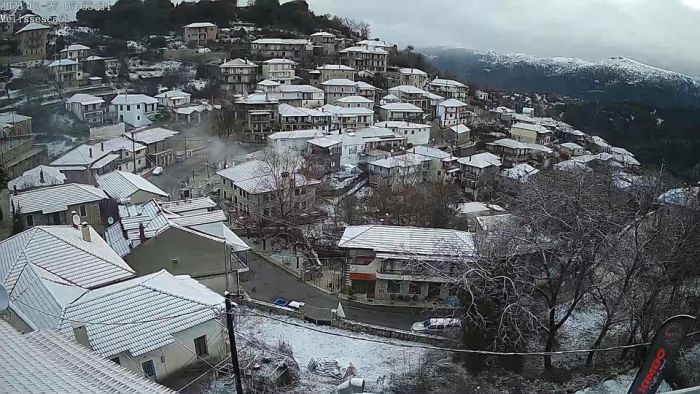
[(436, 325), (158, 171)]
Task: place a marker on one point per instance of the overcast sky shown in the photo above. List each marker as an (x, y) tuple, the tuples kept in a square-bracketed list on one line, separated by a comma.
[(663, 33)]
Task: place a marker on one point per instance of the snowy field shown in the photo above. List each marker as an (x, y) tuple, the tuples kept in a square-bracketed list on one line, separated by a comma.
[(374, 361)]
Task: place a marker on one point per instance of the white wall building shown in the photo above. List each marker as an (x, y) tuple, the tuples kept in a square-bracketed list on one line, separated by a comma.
[(134, 109), (292, 141), (86, 107), (416, 133), (279, 70), (338, 88), (173, 98), (452, 112)]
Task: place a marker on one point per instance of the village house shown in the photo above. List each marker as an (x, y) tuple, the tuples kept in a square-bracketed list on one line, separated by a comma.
[(161, 145), (88, 108), (84, 162), (286, 48), (132, 154), (336, 89), (305, 96), (134, 109), (324, 154), (375, 42), (267, 86), (452, 112), (449, 89), (38, 176), (59, 362), (364, 58), (355, 102), (513, 152), (437, 157), (32, 41), (325, 41), (457, 135), (391, 263), (55, 205), (481, 95), (401, 112), (572, 149), (16, 124), (257, 114), (279, 70), (599, 145), (527, 111), (292, 141), (344, 119), (624, 157), (388, 99), (510, 180), (415, 133), (412, 95), (173, 98), (75, 52), (125, 187), (20, 154), (186, 237), (200, 33), (393, 171), (65, 72), (295, 118), (367, 91), (238, 76), (531, 133), (358, 143), (413, 76), (257, 193), (335, 71), (478, 172), (475, 209)]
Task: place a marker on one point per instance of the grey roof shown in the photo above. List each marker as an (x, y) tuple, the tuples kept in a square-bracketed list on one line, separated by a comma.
[(239, 63), (63, 62), (405, 160), (75, 47), (401, 107), (84, 99), (532, 127), (133, 99), (84, 156), (150, 136), (296, 134), (685, 197), (192, 204), (32, 26), (46, 360), (323, 142), (452, 103), (429, 152), (32, 178), (201, 24), (481, 160), (120, 143), (12, 118), (121, 185), (56, 198), (408, 240), (255, 176), (335, 67)]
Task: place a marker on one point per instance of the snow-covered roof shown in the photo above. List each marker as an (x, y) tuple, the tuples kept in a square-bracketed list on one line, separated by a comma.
[(571, 146), (354, 99), (64, 255), (323, 34), (375, 43), (407, 89), (290, 110), (153, 135), (513, 144), (476, 207), (201, 24), (268, 82), (33, 178), (685, 197), (255, 176), (365, 49), (12, 118), (405, 160), (296, 134), (620, 151), (429, 151), (121, 185), (62, 62), (401, 107), (531, 127), (412, 71), (572, 165), (354, 111), (446, 83), (452, 103), (56, 198), (400, 124), (391, 97), (94, 57), (120, 143), (42, 360), (84, 156), (133, 99), (239, 63), (84, 99), (335, 67), (75, 47), (299, 88), (520, 172), (362, 85), (258, 98), (282, 41), (339, 82), (280, 61), (323, 142), (32, 26), (173, 93), (460, 129), (412, 241), (600, 141), (481, 160), (189, 205)]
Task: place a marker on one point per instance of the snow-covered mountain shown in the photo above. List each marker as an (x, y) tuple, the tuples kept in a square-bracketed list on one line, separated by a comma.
[(615, 78)]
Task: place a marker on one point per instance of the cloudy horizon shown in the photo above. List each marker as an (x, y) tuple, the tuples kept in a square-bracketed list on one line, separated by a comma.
[(656, 32)]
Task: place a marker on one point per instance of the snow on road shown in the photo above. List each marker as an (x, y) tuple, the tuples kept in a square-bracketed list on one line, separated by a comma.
[(374, 361)]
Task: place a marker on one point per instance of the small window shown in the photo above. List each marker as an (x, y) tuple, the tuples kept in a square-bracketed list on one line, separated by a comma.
[(116, 361), (414, 288), (30, 220), (138, 117), (138, 106), (266, 211), (200, 346), (83, 211), (175, 261), (149, 370), (393, 287), (128, 108)]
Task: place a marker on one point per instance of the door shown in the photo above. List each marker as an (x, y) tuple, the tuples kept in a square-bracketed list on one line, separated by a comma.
[(370, 288), (149, 370)]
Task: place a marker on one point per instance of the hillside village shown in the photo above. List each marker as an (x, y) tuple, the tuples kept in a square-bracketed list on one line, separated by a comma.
[(338, 190)]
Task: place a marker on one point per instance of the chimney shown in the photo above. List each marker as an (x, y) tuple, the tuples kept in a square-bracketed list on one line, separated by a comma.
[(90, 152), (41, 175), (142, 233), (81, 335), (85, 229), (14, 189), (102, 146)]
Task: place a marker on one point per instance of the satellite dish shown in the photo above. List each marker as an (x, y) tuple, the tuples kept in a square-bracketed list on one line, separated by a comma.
[(4, 298), (110, 220), (76, 220)]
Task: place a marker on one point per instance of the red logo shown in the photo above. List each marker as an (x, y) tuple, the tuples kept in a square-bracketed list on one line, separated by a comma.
[(655, 365)]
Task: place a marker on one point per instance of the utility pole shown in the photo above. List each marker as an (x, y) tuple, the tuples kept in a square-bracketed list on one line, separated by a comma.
[(232, 343)]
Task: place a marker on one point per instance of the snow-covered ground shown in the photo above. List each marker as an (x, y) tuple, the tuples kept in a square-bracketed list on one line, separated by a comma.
[(619, 385), (374, 361)]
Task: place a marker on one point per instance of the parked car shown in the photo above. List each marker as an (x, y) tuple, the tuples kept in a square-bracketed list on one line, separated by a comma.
[(436, 325), (157, 170), (289, 304)]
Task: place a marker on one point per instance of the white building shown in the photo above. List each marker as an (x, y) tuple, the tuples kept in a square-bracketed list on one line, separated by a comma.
[(86, 107), (401, 112), (572, 149), (238, 76), (406, 169), (292, 141), (364, 58), (75, 52), (279, 70), (413, 76), (134, 109), (65, 72), (416, 133), (173, 98), (448, 88), (356, 143), (344, 119), (355, 102), (132, 154), (452, 112), (324, 40), (305, 96), (335, 71), (299, 118), (338, 88)]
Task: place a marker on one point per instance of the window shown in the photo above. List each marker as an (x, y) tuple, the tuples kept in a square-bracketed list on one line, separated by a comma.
[(149, 370), (138, 117), (30, 220), (128, 108), (83, 211), (121, 108), (116, 361), (138, 106), (414, 288), (393, 287), (200, 346), (139, 161)]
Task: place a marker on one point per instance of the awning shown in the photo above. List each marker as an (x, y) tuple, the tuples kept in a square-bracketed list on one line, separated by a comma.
[(360, 276)]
